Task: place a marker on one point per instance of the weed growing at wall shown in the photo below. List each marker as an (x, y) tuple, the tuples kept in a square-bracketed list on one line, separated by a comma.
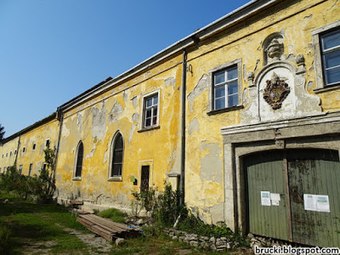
[(113, 214), (165, 210), (163, 207)]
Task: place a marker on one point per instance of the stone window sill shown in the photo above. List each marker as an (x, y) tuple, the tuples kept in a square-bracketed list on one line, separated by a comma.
[(328, 88), (115, 179), (229, 109), (76, 179), (148, 129)]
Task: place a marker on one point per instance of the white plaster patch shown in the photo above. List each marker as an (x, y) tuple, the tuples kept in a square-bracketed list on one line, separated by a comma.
[(211, 164), (135, 117), (132, 131), (106, 156), (288, 108), (90, 155), (202, 85), (134, 101), (116, 112), (79, 120), (98, 122), (170, 81), (193, 126), (65, 131)]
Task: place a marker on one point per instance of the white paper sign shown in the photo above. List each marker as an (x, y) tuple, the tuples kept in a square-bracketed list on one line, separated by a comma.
[(317, 203), (309, 202), (265, 198), (322, 203), (275, 199)]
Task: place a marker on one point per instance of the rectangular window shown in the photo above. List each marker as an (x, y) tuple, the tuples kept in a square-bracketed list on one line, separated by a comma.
[(145, 176), (330, 52), (225, 88), (150, 113), (30, 169), (34, 145), (20, 169), (47, 143)]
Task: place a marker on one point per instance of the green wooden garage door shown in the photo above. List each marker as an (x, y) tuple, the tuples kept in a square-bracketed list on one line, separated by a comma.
[(295, 195)]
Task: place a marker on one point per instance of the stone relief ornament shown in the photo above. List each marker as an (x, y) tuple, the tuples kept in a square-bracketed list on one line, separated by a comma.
[(276, 91), (275, 49)]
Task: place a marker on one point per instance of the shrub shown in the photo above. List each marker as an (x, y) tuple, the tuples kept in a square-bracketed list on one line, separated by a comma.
[(163, 207), (40, 187)]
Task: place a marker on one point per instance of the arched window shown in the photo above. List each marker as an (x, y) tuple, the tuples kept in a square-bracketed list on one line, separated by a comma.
[(79, 160), (117, 150)]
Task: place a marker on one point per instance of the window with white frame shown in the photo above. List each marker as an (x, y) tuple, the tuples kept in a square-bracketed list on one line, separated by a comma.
[(150, 111), (330, 52), (225, 88), (117, 152)]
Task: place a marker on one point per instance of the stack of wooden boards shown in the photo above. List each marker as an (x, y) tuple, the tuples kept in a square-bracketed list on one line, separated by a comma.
[(106, 228)]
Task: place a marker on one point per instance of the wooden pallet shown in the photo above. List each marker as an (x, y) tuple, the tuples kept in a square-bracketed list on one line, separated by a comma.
[(106, 228)]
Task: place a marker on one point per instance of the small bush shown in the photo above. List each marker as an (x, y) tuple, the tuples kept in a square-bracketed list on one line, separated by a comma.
[(113, 214), (38, 187), (163, 207), (5, 240)]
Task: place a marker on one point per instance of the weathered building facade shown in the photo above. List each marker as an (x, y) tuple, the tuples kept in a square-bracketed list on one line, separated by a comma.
[(242, 115)]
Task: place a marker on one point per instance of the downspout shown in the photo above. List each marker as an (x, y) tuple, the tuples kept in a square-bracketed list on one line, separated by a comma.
[(60, 118), (183, 126), (16, 155)]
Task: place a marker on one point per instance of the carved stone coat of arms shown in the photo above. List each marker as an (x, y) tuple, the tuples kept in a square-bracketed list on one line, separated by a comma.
[(276, 91)]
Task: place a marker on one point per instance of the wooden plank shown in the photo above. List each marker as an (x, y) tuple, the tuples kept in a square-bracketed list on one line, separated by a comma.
[(105, 222), (103, 233), (108, 221), (106, 234), (76, 202), (106, 226)]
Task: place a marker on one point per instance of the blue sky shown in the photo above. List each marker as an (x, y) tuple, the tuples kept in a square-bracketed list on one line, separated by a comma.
[(52, 50)]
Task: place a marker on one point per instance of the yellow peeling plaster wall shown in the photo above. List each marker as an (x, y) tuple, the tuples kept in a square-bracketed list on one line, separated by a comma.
[(8, 153), (37, 136), (95, 123), (204, 155)]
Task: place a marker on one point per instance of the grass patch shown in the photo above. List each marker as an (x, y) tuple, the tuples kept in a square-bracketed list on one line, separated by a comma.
[(158, 245), (5, 239), (113, 214), (33, 223)]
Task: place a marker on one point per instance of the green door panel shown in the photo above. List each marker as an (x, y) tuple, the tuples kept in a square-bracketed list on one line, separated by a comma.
[(293, 174), (318, 176), (265, 172)]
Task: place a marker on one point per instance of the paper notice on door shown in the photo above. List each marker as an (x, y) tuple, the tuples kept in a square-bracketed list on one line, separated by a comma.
[(309, 202), (275, 199), (322, 203), (265, 198), (317, 203)]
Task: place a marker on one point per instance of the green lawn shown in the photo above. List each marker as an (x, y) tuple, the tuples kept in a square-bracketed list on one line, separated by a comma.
[(28, 228), (33, 224)]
